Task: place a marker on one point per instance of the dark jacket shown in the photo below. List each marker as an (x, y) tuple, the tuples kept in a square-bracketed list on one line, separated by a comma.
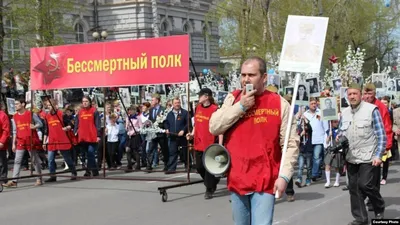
[(175, 125), (153, 119), (306, 141)]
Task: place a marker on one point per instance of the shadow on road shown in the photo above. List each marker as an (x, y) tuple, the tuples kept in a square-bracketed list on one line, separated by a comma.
[(393, 180)]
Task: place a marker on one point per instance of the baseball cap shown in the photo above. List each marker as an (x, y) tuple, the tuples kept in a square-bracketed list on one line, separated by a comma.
[(205, 91)]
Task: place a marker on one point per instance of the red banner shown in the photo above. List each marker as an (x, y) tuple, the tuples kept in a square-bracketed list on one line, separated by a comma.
[(111, 64)]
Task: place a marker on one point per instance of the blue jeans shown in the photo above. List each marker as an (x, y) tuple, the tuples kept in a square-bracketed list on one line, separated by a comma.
[(91, 149), (253, 209), (51, 156), (317, 158), (121, 147), (304, 158)]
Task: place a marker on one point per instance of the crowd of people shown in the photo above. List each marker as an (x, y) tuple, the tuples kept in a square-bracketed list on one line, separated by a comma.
[(370, 127)]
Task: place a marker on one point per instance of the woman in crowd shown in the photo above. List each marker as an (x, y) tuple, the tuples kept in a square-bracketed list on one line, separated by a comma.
[(87, 127), (203, 138)]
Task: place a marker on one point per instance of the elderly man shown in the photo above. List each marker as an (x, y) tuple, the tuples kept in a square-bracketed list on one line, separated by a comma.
[(362, 125), (254, 175)]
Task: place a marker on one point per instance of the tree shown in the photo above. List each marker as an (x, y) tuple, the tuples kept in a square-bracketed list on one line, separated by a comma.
[(38, 23), (363, 24)]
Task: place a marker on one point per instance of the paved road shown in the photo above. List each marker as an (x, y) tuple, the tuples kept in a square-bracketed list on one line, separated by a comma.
[(138, 202)]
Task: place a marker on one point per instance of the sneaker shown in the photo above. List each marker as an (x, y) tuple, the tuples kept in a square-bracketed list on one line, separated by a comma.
[(10, 184), (290, 198), (336, 185), (298, 182), (38, 183), (345, 188), (383, 181), (308, 182), (327, 185)]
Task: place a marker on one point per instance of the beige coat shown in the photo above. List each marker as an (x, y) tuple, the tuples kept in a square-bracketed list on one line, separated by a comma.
[(396, 119), (228, 114)]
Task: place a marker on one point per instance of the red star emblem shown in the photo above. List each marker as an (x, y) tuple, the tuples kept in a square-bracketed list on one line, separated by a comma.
[(333, 59), (51, 65)]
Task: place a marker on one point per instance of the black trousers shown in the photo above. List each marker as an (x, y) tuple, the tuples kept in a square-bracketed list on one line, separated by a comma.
[(385, 169), (112, 149), (289, 189), (363, 180), (3, 165), (210, 181)]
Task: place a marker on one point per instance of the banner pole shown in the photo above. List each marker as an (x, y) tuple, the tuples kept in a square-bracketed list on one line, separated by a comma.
[(187, 141), (30, 138), (195, 73), (289, 126), (104, 133)]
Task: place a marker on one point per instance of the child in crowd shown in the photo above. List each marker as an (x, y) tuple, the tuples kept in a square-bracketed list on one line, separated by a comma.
[(112, 132), (306, 152)]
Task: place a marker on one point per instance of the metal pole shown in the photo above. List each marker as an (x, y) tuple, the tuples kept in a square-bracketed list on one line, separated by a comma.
[(104, 134), (30, 138), (195, 73), (187, 141)]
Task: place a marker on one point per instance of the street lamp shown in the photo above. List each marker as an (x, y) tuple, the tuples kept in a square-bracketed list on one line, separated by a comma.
[(98, 37)]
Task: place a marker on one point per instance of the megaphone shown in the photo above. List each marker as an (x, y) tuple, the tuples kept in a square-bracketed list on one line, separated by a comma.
[(216, 160)]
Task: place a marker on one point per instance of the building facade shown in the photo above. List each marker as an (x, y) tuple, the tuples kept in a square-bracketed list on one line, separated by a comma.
[(133, 19)]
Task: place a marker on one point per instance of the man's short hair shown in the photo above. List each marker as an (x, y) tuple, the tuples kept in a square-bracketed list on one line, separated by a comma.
[(157, 96), (261, 63)]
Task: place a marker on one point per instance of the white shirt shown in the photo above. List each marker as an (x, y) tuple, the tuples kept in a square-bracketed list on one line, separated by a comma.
[(319, 127), (112, 133)]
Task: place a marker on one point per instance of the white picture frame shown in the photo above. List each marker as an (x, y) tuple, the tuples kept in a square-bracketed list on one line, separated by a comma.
[(303, 94), (11, 106), (315, 89), (274, 79), (328, 107), (344, 102), (58, 96), (303, 45), (184, 101)]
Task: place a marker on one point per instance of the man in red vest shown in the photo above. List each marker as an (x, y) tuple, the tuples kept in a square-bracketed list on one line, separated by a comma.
[(26, 125), (4, 141), (254, 125), (56, 138)]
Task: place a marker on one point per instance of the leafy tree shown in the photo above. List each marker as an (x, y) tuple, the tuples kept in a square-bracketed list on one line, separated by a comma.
[(362, 24)]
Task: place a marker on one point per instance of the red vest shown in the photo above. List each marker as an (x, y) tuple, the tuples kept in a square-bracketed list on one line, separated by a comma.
[(58, 139), (254, 145), (202, 136), (23, 123), (87, 131), (5, 130), (387, 122)]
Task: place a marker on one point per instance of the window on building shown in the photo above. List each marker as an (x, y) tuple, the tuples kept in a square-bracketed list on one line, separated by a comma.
[(205, 44), (12, 45), (164, 29), (186, 30), (79, 33)]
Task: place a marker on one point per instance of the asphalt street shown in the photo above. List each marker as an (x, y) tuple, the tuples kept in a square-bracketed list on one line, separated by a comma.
[(103, 202)]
